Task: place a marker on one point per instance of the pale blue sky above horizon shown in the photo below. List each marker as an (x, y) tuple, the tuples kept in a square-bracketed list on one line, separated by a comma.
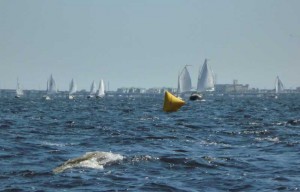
[(145, 43)]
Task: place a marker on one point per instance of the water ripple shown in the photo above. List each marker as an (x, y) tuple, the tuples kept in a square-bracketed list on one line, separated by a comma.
[(223, 144)]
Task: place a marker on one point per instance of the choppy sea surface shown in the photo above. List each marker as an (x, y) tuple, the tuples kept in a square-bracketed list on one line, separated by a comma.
[(129, 144)]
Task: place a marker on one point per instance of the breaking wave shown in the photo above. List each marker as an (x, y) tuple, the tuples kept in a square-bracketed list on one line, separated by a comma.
[(94, 160)]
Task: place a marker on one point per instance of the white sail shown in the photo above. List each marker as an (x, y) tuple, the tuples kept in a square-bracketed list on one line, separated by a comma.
[(19, 91), (101, 90), (184, 81), (93, 88), (278, 85), (51, 86), (205, 79), (73, 87)]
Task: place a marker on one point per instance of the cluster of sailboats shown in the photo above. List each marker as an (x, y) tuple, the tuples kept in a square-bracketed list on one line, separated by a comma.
[(205, 83), (98, 93), (52, 89)]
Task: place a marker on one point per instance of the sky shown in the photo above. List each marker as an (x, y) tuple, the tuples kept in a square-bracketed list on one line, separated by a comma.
[(134, 43)]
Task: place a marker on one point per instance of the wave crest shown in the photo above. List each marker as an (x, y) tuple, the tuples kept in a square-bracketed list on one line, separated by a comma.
[(94, 160)]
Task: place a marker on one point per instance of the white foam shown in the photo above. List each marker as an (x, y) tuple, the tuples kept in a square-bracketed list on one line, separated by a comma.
[(53, 144), (94, 160), (144, 158), (91, 163), (206, 143), (275, 139)]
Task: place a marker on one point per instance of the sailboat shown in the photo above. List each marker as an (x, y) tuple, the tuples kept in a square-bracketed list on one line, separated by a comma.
[(92, 90), (19, 91), (51, 88), (184, 81), (72, 89), (205, 82), (278, 86), (101, 91), (205, 79)]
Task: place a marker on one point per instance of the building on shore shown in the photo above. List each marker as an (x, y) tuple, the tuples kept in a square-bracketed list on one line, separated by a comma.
[(131, 90), (235, 87), (161, 90)]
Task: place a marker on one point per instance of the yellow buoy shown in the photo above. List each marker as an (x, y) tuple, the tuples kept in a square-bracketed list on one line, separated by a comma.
[(172, 103)]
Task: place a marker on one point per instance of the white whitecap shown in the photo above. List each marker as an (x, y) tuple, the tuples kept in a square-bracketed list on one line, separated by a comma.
[(94, 160), (274, 139), (206, 143), (53, 144)]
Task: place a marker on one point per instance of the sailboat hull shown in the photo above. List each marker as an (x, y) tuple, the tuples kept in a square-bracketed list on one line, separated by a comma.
[(71, 97), (46, 97), (196, 96)]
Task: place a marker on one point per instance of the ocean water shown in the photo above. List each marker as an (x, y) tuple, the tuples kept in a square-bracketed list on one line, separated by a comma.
[(129, 144)]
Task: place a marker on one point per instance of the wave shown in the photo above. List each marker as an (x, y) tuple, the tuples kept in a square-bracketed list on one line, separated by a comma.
[(95, 160), (293, 122), (46, 143), (274, 139), (143, 158)]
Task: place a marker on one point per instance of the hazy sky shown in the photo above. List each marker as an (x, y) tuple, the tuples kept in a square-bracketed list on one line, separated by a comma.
[(144, 43)]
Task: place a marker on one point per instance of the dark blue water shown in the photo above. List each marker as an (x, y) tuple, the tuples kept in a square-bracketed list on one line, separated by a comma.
[(224, 143)]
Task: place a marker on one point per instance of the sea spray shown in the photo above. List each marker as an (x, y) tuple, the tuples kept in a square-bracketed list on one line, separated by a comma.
[(94, 160)]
